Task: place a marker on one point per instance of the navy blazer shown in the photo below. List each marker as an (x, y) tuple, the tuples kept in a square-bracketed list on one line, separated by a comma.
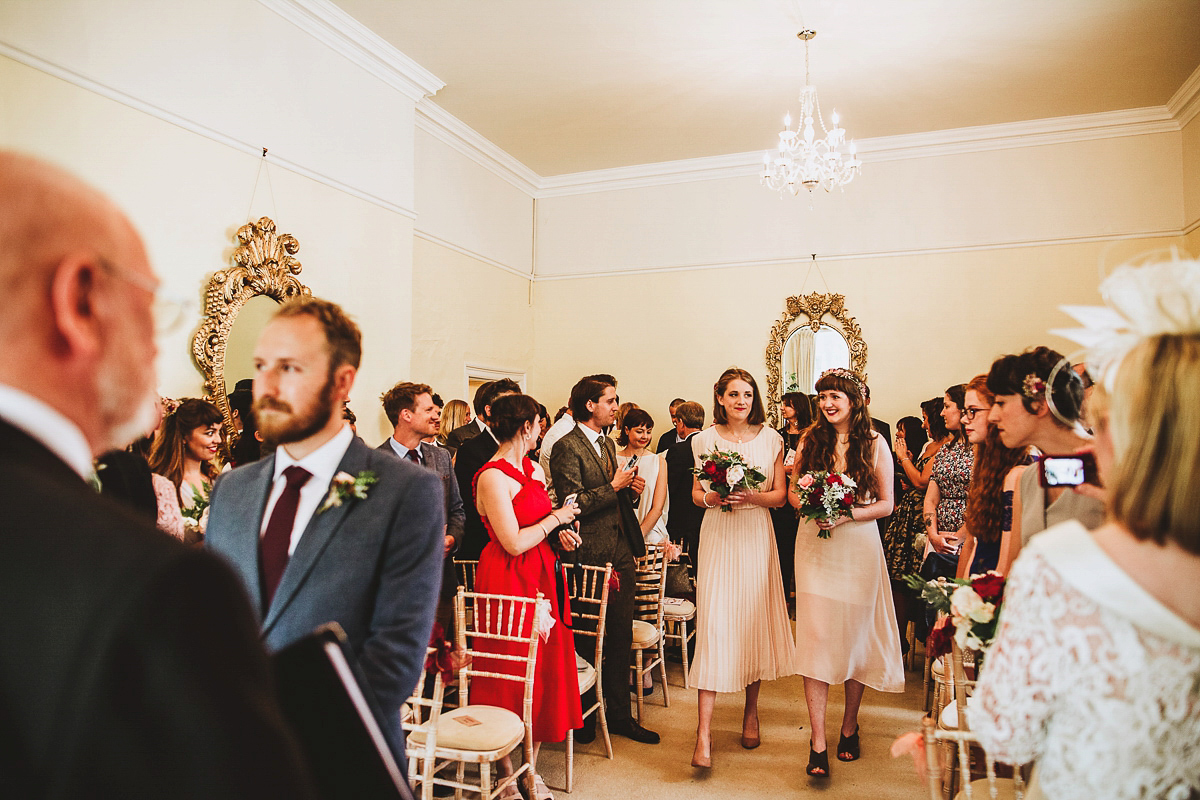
[(374, 566)]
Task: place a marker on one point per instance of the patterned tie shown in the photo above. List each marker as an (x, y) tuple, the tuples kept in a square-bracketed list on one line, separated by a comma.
[(273, 546), (412, 456), (605, 462)]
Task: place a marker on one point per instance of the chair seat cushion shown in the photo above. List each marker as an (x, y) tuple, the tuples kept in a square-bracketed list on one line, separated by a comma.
[(1006, 789), (938, 668), (948, 719), (644, 634), (678, 608), (479, 728), (587, 677)]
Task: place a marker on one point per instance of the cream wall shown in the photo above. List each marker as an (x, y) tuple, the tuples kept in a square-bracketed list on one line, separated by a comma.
[(1129, 185), (928, 320), (233, 72), (1191, 178)]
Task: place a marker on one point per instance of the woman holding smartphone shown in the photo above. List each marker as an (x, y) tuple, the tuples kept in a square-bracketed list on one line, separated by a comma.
[(518, 560), (946, 495), (637, 432), (1029, 412)]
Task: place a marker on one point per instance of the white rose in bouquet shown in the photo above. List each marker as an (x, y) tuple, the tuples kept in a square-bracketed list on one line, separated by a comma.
[(965, 602), (735, 475)]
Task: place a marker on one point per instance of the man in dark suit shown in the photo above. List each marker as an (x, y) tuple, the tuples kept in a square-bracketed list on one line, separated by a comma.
[(328, 529), (584, 463), (465, 433), (683, 523), (415, 417), (672, 436), (129, 664), (471, 456)]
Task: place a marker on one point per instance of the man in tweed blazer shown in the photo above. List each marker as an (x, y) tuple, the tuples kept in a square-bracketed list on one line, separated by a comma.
[(583, 463), (367, 557)]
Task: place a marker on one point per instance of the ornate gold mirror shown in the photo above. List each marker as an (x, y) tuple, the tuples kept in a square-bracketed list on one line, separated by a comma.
[(814, 334), (237, 304)]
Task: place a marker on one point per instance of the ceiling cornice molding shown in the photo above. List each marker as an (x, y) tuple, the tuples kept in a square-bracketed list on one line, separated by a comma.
[(158, 112), (346, 36), (983, 138), (876, 254), (1185, 103), (453, 132)]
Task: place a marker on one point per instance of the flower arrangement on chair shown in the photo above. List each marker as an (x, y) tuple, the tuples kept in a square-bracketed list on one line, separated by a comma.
[(972, 608)]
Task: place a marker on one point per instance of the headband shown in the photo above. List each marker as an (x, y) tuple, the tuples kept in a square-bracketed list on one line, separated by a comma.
[(842, 372)]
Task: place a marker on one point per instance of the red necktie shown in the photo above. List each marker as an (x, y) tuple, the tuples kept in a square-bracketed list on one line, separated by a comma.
[(274, 544), (413, 457)]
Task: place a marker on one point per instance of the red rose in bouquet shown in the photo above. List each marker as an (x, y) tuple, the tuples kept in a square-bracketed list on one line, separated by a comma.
[(940, 638), (989, 586), (709, 469)]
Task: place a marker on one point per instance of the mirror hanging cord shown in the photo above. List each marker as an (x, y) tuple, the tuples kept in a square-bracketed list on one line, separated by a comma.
[(262, 165)]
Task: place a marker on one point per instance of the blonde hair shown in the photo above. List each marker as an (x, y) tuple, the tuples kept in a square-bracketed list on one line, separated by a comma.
[(1154, 420), (454, 415)]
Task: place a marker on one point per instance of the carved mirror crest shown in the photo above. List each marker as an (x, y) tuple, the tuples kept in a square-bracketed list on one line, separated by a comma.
[(263, 274), (814, 334)]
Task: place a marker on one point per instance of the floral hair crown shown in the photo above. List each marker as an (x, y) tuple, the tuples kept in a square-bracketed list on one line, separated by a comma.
[(842, 372), (1033, 387)]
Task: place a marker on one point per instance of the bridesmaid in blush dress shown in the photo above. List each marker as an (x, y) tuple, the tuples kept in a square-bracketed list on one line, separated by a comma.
[(743, 634), (518, 560), (845, 621)]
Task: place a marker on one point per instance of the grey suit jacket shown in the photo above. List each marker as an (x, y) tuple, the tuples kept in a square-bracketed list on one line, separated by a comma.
[(438, 460), (374, 566), (605, 518)]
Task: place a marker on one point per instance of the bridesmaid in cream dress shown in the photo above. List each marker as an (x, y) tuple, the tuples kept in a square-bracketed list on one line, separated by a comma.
[(845, 620), (743, 634)]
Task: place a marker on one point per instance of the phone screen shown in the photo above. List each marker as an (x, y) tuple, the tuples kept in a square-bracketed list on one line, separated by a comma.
[(1064, 471), (632, 463), (570, 500)]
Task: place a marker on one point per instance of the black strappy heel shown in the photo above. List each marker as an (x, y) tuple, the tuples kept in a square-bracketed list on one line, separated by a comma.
[(818, 763), (848, 747)]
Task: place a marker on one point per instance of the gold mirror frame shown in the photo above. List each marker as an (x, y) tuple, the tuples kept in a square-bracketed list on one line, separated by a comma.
[(815, 307), (263, 264)]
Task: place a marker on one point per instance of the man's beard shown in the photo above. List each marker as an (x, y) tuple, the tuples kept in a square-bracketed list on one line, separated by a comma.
[(280, 424), (127, 411)]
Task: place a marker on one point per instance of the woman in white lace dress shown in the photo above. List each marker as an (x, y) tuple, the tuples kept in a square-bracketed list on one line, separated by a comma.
[(1095, 672)]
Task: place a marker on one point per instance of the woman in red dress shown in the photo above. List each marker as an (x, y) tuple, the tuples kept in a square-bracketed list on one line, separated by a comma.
[(512, 501)]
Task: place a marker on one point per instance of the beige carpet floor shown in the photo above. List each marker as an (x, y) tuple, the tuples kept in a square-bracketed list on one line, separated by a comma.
[(776, 769)]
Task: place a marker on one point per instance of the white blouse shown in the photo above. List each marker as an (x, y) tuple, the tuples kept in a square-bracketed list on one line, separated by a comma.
[(1091, 676)]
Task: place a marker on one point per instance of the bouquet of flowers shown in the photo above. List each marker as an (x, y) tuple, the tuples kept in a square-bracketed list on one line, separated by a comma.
[(728, 472), (972, 608), (825, 496), (195, 516)]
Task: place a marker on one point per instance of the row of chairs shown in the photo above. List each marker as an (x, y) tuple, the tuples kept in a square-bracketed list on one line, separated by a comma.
[(441, 739)]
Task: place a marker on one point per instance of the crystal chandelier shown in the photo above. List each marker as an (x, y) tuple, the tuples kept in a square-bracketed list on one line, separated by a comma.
[(802, 160)]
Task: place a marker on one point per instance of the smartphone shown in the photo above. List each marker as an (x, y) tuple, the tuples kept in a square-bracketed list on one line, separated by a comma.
[(1072, 470), (632, 463), (570, 499)]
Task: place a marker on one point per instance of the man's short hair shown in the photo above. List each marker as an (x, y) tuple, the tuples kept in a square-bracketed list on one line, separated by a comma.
[(691, 415), (402, 397), (588, 390), (494, 390), (479, 402), (342, 335)]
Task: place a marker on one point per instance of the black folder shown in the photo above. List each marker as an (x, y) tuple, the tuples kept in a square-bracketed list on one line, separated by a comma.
[(335, 720)]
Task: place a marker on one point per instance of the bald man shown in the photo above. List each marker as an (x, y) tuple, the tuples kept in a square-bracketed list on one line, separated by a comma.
[(129, 665)]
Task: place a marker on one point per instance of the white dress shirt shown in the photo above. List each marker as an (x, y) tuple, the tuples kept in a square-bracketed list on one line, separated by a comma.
[(594, 437), (402, 451), (58, 434), (322, 463)]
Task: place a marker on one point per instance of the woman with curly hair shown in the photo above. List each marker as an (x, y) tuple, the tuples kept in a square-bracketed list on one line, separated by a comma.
[(184, 452), (845, 623), (989, 515)]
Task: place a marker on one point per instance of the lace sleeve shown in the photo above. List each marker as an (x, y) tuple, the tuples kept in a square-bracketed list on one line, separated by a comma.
[(1016, 690), (170, 519)]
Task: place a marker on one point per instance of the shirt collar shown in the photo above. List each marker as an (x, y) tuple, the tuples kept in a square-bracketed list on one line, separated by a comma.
[(482, 426), (402, 451), (47, 425), (323, 462), (593, 436)]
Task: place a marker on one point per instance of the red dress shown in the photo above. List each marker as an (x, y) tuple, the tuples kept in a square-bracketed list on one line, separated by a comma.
[(556, 704)]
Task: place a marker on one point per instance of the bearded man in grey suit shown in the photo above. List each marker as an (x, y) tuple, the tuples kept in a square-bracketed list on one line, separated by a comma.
[(584, 464), (328, 529)]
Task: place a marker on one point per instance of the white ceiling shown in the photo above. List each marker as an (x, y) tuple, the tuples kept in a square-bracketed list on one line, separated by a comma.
[(569, 86)]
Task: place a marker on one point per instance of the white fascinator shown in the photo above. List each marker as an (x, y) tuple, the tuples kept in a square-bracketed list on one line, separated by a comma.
[(1140, 301)]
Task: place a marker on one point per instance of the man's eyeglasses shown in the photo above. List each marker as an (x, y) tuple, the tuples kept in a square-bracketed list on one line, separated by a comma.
[(167, 309), (970, 411)]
